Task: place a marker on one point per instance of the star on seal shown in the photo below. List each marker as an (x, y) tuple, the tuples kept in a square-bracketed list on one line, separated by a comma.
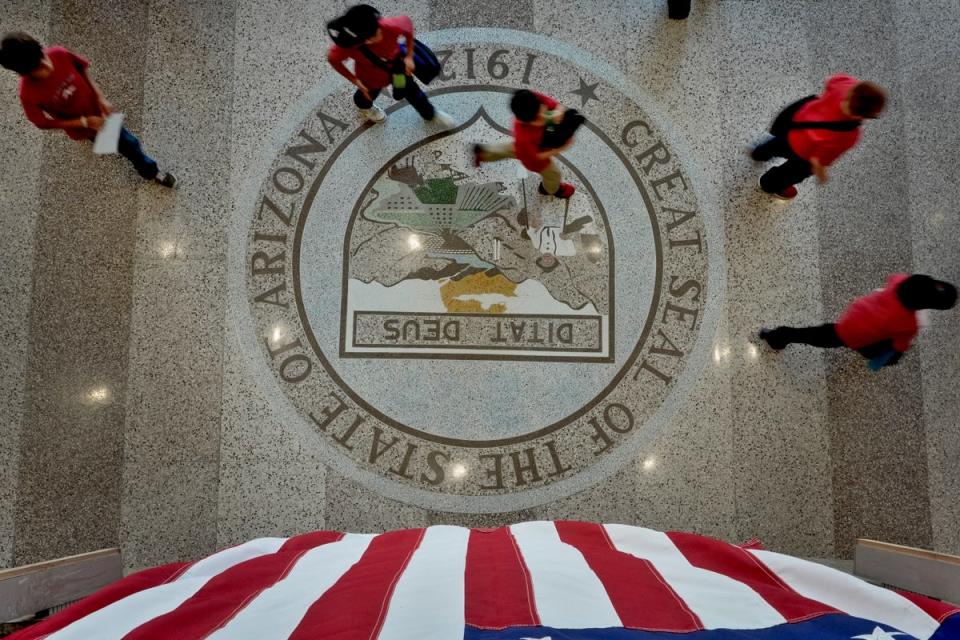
[(587, 92)]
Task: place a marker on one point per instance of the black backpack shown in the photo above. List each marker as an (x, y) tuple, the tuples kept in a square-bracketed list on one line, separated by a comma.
[(426, 64), (557, 135)]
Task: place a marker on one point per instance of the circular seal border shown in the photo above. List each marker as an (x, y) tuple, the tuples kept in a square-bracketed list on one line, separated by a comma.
[(241, 321), (456, 442)]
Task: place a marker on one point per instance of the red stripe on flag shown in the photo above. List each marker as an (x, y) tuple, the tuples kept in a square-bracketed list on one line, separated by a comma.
[(498, 590), (640, 595), (936, 609), (225, 594), (108, 595), (741, 565), (311, 540), (355, 606)]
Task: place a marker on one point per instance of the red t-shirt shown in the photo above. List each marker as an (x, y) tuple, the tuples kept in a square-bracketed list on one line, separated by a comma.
[(823, 144), (527, 138), (372, 76), (879, 316), (65, 94)]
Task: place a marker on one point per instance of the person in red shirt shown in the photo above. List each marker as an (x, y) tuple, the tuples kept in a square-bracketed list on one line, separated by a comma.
[(380, 37), (880, 325), (812, 133), (532, 113), (57, 93)]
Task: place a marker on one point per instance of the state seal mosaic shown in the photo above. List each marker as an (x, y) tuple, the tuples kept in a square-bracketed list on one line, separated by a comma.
[(447, 329)]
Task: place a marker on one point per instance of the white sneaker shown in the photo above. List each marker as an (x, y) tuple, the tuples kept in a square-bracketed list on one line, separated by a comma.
[(374, 114), (443, 119)]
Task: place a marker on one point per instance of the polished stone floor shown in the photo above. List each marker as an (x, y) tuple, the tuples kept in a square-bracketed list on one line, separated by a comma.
[(336, 325)]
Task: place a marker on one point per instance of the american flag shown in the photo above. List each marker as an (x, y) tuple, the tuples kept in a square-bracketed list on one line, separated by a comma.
[(531, 581)]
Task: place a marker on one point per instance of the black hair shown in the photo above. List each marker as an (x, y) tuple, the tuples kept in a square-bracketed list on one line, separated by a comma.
[(363, 20), (923, 292), (525, 105), (867, 100), (20, 52)]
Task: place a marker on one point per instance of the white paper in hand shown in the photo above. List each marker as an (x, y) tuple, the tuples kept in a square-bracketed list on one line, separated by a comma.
[(109, 135)]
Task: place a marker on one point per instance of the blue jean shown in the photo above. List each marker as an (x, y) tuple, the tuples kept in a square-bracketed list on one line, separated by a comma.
[(129, 147)]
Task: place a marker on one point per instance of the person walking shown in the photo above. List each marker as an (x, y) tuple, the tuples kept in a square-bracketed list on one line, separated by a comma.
[(542, 129), (813, 132), (56, 92), (380, 60), (880, 326)]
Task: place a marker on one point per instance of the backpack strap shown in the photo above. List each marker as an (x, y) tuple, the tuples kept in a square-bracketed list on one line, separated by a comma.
[(375, 59), (831, 125), (785, 123)]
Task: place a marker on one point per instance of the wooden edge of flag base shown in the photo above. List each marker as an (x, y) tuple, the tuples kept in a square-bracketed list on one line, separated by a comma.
[(36, 587), (919, 570)]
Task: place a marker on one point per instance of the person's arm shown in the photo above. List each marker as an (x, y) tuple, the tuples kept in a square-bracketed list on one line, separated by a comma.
[(549, 102), (552, 105), (105, 107), (336, 56), (82, 66), (407, 27), (819, 169), (43, 120), (83, 122)]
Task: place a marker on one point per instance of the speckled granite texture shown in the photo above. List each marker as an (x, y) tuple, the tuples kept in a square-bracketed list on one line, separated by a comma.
[(135, 412), (19, 210), (70, 476)]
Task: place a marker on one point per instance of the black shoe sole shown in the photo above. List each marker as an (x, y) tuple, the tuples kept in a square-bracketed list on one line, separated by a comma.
[(543, 192)]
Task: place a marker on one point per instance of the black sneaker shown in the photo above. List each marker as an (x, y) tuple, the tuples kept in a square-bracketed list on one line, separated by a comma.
[(767, 336), (166, 179)]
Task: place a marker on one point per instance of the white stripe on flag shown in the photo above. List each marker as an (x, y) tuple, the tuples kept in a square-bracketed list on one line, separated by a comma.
[(277, 611), (567, 593), (849, 594), (720, 601), (428, 601), (123, 616)]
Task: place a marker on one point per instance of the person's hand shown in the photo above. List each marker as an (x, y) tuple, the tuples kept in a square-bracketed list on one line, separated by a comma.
[(363, 90), (818, 170), (410, 65), (94, 122), (105, 107)]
